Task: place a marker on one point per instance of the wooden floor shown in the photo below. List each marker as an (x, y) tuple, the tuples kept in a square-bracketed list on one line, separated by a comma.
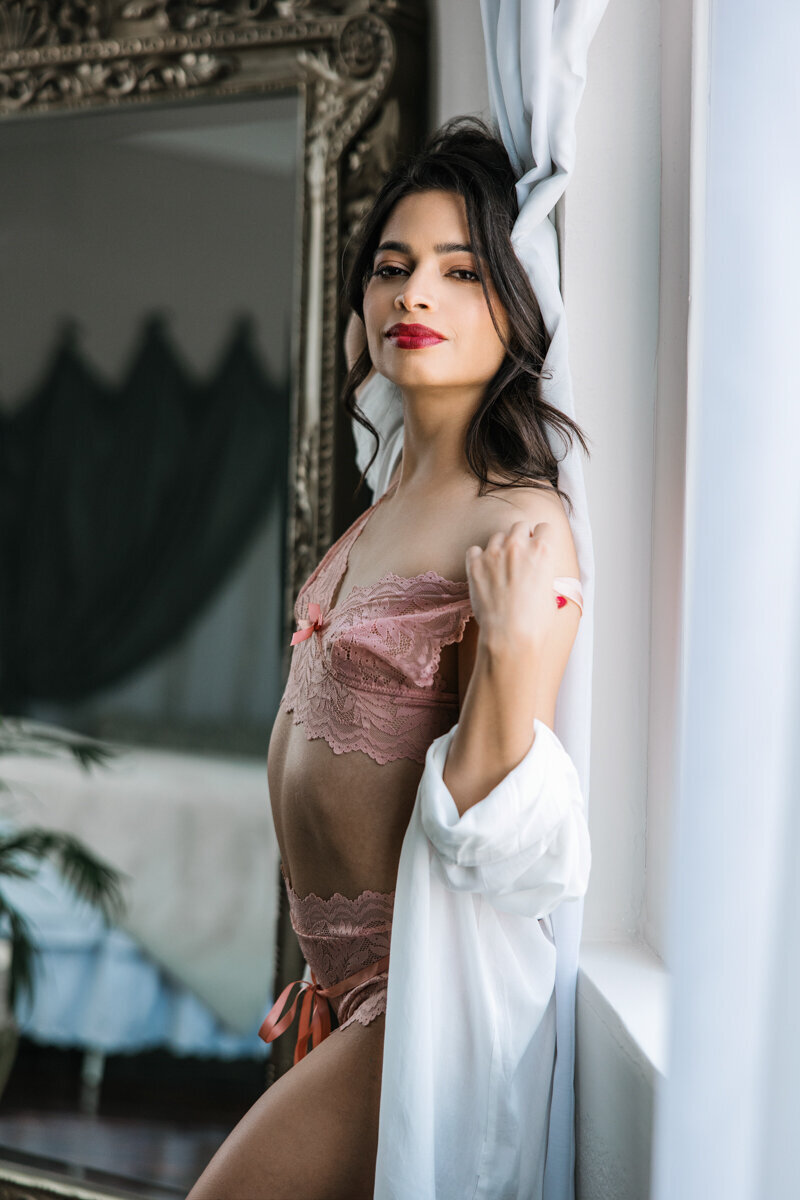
[(159, 1118)]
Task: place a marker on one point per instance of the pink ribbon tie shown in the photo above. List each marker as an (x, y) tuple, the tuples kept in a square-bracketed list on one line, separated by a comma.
[(315, 1007), (306, 628)]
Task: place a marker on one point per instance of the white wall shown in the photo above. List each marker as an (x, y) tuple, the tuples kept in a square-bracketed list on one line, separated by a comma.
[(669, 461), (611, 291), (458, 60), (615, 1088)]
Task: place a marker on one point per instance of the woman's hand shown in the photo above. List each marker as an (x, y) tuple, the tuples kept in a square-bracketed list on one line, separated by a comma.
[(511, 587)]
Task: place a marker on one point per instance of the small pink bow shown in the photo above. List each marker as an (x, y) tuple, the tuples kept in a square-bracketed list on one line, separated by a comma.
[(307, 627)]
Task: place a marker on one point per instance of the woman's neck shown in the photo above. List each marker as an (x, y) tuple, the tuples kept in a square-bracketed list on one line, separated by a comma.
[(434, 433)]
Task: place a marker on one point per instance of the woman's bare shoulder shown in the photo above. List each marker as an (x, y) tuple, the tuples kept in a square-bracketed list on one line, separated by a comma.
[(501, 508), (510, 504)]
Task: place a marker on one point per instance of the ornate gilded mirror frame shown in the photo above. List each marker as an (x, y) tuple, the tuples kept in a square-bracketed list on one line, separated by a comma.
[(360, 111), (359, 68)]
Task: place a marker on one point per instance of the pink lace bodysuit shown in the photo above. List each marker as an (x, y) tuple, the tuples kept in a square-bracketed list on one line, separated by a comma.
[(365, 676)]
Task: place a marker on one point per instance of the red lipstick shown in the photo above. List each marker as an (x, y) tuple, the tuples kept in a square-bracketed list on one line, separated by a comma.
[(412, 336)]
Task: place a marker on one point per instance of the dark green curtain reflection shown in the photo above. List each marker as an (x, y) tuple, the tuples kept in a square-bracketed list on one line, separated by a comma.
[(123, 509)]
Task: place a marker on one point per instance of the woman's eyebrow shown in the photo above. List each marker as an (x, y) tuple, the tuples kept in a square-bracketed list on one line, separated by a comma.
[(440, 247)]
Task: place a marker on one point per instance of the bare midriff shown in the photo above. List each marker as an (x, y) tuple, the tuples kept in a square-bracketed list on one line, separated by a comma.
[(340, 819)]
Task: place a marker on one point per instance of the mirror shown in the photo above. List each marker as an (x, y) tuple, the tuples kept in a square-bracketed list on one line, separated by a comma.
[(180, 184)]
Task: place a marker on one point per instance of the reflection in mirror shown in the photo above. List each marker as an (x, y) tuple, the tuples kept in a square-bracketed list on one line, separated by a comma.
[(145, 384)]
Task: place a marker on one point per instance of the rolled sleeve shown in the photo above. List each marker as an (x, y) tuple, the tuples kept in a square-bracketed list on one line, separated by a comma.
[(525, 845)]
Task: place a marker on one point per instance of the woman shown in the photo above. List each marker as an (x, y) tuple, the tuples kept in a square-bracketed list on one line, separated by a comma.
[(453, 599)]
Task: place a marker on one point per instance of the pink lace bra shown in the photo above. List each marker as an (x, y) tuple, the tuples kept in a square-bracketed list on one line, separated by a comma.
[(365, 674)]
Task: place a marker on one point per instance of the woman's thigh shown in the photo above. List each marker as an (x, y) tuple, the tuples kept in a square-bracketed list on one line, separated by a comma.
[(313, 1134)]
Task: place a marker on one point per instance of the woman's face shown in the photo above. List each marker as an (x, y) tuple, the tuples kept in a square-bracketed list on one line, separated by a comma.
[(422, 276)]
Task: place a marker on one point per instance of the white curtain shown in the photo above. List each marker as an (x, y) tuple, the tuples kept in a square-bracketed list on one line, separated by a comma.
[(536, 52), (727, 1117)]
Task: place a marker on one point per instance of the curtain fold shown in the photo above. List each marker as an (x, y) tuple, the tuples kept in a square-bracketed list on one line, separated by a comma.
[(536, 55), (123, 509), (726, 1116)]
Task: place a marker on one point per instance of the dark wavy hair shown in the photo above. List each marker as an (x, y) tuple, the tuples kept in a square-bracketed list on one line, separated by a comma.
[(507, 433)]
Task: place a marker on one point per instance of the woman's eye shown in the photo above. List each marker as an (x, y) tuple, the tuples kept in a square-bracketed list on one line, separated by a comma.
[(381, 272)]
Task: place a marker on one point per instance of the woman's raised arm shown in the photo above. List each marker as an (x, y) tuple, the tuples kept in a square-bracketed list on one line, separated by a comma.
[(500, 799), (513, 658)]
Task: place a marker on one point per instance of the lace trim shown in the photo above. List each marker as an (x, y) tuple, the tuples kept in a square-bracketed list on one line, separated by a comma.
[(409, 742), (401, 583), (340, 936), (338, 899), (383, 644), (339, 915), (370, 1007), (395, 637)]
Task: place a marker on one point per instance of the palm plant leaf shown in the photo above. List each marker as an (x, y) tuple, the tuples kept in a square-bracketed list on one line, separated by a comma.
[(20, 735), (23, 950), (88, 876)]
